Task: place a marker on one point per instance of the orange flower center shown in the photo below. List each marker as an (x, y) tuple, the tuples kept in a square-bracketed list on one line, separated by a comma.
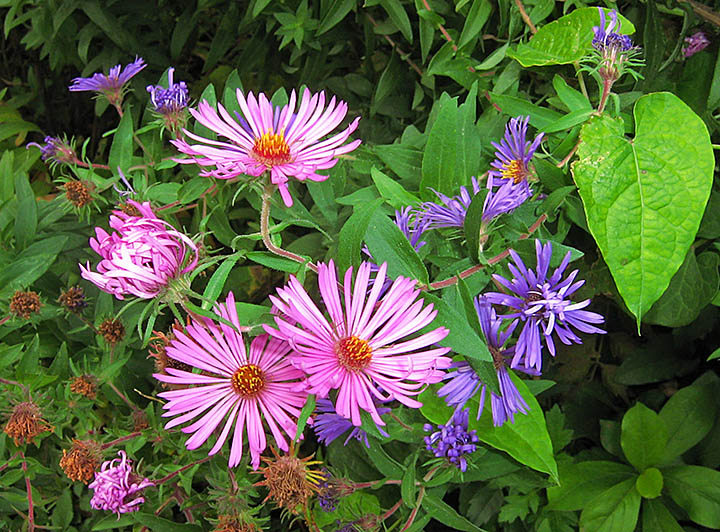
[(353, 353), (248, 381), (271, 149), (514, 170)]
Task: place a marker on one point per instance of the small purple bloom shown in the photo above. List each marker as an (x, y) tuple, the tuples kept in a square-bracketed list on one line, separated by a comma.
[(171, 100), (505, 199), (513, 155), (451, 211), (112, 82), (452, 441), (329, 425), (117, 488), (56, 150), (543, 304), (695, 43), (605, 39)]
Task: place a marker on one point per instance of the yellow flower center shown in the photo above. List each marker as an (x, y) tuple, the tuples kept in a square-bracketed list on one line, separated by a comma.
[(271, 149), (353, 353), (248, 381), (515, 170)]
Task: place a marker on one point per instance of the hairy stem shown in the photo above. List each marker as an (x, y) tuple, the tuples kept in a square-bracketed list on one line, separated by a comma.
[(28, 487)]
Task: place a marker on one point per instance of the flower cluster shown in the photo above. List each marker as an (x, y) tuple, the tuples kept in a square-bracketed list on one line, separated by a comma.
[(453, 440), (170, 103), (116, 488), (614, 52), (142, 257)]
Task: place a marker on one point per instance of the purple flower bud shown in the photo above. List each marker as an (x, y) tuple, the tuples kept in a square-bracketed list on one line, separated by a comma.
[(694, 43)]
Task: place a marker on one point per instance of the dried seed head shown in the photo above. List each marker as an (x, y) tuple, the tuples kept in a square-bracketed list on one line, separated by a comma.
[(81, 462), (84, 385), (73, 299), (26, 422), (158, 345), (24, 304), (79, 193), (129, 209), (290, 480), (228, 523), (112, 330), (140, 420)]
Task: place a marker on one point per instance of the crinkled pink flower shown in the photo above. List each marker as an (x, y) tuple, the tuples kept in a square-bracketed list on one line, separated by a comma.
[(368, 342), (271, 138), (141, 257), (117, 488), (244, 388)]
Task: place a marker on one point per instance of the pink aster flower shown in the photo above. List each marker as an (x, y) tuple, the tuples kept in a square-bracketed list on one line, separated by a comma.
[(369, 341), (269, 138), (141, 257), (236, 386), (117, 488)]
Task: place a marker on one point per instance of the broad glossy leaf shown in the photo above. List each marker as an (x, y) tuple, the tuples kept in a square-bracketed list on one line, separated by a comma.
[(121, 149), (614, 510), (447, 515), (657, 518), (333, 15), (697, 490), (650, 483), (582, 482), (392, 191), (352, 234), (564, 40), (644, 197), (643, 437)]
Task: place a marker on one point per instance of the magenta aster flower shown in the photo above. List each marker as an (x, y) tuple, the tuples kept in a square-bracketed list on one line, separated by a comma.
[(238, 387), (513, 155), (278, 140), (142, 257), (695, 43), (117, 488), (368, 342), (112, 85), (543, 304)]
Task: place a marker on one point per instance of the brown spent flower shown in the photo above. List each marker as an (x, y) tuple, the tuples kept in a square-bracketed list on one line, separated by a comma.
[(112, 330), (82, 460), (289, 479), (158, 345), (73, 299), (140, 420), (79, 193), (84, 385), (228, 523), (26, 422), (129, 209), (24, 304)]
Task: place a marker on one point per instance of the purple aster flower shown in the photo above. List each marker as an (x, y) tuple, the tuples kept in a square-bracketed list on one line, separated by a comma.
[(508, 197), (112, 85), (329, 425), (368, 342), (543, 304), (513, 155), (247, 388), (695, 43), (142, 257), (451, 211), (117, 488), (452, 441), (605, 39), (278, 140), (170, 100), (464, 383), (56, 150)]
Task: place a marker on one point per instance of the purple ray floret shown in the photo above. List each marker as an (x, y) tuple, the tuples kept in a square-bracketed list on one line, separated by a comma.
[(513, 155), (170, 100), (116, 488), (604, 36), (449, 212), (113, 81), (329, 425), (543, 304), (452, 440)]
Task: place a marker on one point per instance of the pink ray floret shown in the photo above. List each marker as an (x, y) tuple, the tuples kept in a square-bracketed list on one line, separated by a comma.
[(235, 387), (141, 257), (281, 140), (368, 342), (116, 488)]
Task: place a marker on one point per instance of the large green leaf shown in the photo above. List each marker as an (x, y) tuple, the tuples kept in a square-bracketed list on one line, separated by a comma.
[(643, 437), (644, 198), (564, 40), (657, 518), (121, 149), (697, 490), (614, 510), (582, 482), (352, 235)]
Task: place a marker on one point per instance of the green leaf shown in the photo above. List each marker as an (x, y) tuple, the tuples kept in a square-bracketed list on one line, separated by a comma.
[(305, 413), (526, 439), (399, 17), (26, 221), (30, 265), (690, 290), (614, 510), (582, 482), (564, 40), (193, 189), (652, 190), (657, 518), (387, 243), (273, 261), (540, 117), (452, 154), (352, 234), (121, 149), (63, 513), (113, 521), (209, 96), (217, 281), (405, 161), (384, 463), (334, 14), (643, 437), (697, 490), (650, 483), (392, 191), (447, 515), (407, 487), (575, 100), (475, 20), (158, 524), (688, 415)]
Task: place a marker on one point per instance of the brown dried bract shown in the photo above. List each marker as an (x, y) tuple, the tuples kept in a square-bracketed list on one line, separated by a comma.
[(84, 385), (73, 299), (81, 462), (129, 209), (26, 422), (79, 193), (289, 479), (140, 421), (112, 330), (24, 304), (158, 350), (227, 523)]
